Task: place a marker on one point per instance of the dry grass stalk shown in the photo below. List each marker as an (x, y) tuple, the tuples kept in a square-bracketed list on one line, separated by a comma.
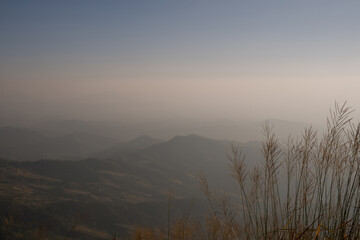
[(305, 189)]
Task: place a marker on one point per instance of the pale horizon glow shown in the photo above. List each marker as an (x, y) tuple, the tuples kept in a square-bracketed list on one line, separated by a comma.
[(160, 60)]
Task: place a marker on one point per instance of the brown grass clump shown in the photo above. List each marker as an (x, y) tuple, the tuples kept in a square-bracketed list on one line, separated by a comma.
[(306, 188)]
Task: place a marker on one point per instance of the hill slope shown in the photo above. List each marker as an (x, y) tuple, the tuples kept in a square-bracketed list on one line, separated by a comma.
[(115, 193)]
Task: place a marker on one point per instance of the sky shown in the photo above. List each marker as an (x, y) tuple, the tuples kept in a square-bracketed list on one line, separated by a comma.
[(162, 60)]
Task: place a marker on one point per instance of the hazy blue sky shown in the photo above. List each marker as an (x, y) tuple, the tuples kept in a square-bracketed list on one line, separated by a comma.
[(178, 59)]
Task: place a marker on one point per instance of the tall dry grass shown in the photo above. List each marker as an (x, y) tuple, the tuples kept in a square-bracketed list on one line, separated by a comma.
[(305, 188)]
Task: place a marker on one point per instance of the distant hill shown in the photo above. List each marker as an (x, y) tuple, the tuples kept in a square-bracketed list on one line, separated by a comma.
[(66, 127), (73, 146), (140, 142), (20, 136), (24, 144), (14, 141), (117, 130), (238, 130)]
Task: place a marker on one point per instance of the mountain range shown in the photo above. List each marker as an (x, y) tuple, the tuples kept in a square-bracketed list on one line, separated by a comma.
[(124, 185), (23, 145)]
